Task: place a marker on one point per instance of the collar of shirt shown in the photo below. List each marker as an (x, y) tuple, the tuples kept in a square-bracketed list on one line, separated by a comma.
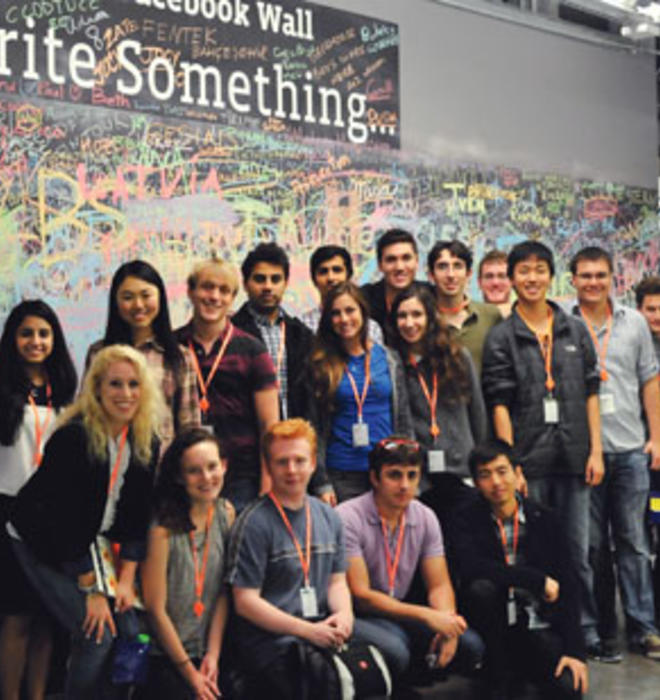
[(521, 512), (618, 309), (262, 320), (150, 344), (187, 334), (373, 517)]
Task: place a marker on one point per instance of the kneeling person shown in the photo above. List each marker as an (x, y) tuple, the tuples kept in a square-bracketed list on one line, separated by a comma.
[(287, 563), (520, 585), (389, 535)]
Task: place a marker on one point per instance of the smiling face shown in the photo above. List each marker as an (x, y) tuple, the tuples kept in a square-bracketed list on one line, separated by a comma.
[(496, 481), (346, 318), (412, 322), (212, 296), (138, 303), (34, 340), (398, 265), (291, 464), (119, 394), (329, 274), (592, 281), (494, 282), (651, 309), (531, 279), (450, 275), (203, 472), (395, 486), (265, 287)]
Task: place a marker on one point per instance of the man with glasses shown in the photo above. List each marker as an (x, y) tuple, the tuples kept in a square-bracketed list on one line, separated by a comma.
[(389, 536), (628, 390), (494, 282)]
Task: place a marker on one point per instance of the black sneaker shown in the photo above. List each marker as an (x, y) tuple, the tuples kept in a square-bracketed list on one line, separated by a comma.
[(606, 652)]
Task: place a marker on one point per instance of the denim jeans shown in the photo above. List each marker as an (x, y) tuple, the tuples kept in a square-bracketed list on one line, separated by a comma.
[(402, 641), (88, 671), (568, 496), (620, 502)]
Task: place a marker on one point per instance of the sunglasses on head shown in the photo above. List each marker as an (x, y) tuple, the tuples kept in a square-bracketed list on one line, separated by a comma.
[(394, 443)]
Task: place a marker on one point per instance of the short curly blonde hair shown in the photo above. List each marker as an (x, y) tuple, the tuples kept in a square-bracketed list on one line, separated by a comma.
[(147, 418)]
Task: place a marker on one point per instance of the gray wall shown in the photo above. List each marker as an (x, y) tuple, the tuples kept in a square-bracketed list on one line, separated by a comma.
[(480, 89)]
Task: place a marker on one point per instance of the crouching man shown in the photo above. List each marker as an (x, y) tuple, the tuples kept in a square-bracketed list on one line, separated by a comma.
[(521, 589), (389, 536), (287, 565)]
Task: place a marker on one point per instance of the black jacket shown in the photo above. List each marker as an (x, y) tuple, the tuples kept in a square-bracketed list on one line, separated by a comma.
[(58, 512), (513, 375), (298, 346), (544, 551)]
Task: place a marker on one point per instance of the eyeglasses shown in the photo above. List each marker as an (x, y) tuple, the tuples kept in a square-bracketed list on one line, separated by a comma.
[(393, 443)]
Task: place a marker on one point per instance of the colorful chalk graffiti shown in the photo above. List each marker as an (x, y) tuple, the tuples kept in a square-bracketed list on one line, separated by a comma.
[(83, 189)]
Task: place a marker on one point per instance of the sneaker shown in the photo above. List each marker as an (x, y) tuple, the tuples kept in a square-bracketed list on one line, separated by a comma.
[(606, 652), (649, 646)]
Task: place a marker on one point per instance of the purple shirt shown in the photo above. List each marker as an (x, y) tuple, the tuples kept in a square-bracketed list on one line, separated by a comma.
[(364, 538)]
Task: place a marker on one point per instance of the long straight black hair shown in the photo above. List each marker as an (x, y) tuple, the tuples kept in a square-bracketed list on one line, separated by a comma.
[(14, 381), (118, 331)]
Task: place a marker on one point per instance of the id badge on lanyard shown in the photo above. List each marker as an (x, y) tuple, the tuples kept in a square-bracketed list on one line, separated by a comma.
[(606, 402), (436, 461), (550, 410), (360, 434), (308, 602)]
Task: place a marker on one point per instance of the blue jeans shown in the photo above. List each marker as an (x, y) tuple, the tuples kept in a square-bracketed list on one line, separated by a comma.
[(620, 502), (568, 496), (87, 675), (402, 642)]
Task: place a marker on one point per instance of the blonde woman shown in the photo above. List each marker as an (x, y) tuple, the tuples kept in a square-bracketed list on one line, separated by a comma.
[(95, 478)]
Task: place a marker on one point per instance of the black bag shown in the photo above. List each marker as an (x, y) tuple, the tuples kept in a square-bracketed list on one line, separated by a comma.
[(355, 671)]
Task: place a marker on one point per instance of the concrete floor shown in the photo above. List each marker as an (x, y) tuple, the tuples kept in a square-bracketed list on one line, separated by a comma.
[(636, 678)]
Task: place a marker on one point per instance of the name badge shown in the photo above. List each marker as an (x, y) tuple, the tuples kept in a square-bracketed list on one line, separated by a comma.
[(310, 607), (360, 435), (551, 410), (606, 402), (511, 612), (436, 461)]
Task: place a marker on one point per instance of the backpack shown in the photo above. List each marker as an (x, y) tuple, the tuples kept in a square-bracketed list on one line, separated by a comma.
[(355, 671)]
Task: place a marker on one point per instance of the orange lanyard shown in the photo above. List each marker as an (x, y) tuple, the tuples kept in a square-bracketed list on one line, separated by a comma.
[(115, 469), (200, 574), (393, 566), (39, 429), (306, 558), (360, 399), (453, 310), (516, 526), (204, 385), (545, 348), (432, 398), (602, 350)]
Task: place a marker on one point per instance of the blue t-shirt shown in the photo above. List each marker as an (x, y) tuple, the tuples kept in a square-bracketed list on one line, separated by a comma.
[(262, 555), (377, 412)]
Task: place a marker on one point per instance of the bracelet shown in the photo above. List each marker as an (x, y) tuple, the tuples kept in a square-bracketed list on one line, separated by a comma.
[(92, 588), (183, 663)]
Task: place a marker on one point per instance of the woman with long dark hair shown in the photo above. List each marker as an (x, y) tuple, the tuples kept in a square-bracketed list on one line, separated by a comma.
[(447, 407), (37, 378), (359, 389), (138, 315), (182, 576), (95, 480)]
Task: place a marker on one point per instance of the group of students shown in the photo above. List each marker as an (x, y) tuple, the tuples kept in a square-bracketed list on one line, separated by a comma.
[(376, 395)]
